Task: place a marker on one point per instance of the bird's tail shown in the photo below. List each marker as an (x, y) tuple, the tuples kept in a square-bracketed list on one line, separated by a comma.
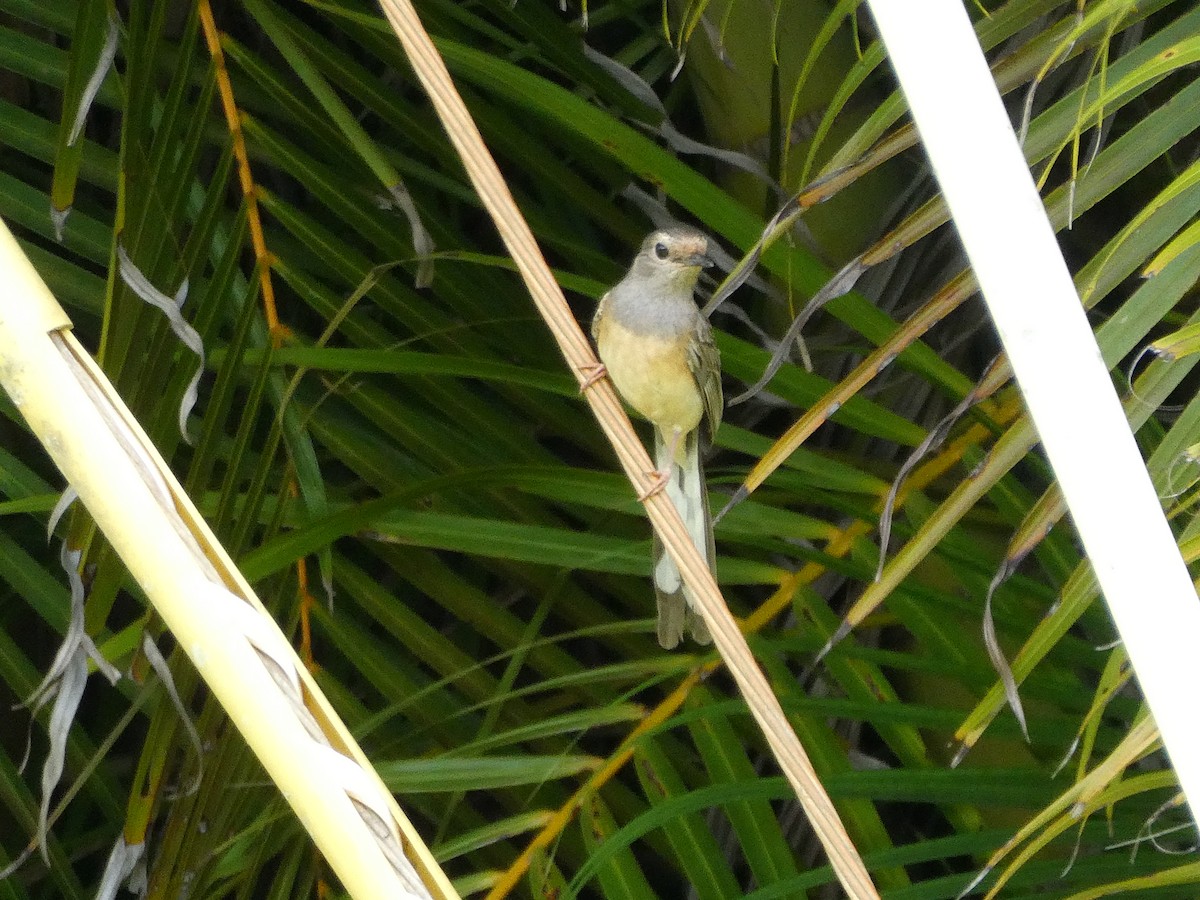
[(689, 492)]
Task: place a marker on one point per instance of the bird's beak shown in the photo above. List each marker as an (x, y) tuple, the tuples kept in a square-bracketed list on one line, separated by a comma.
[(701, 260)]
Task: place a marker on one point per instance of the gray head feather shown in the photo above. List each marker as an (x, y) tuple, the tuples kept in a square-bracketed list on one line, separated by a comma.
[(655, 296)]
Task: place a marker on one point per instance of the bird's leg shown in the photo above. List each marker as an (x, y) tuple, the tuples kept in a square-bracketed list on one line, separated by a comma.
[(591, 374), (662, 475)]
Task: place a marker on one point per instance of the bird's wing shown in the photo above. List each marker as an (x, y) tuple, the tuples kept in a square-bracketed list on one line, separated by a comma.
[(704, 360), (598, 316)]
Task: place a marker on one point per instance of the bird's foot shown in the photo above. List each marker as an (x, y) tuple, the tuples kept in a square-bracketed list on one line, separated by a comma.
[(661, 478), (591, 374)]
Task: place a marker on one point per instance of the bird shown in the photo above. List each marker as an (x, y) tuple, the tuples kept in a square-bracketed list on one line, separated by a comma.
[(657, 348)]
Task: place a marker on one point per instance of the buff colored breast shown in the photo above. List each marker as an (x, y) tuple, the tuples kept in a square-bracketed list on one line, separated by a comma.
[(652, 374)]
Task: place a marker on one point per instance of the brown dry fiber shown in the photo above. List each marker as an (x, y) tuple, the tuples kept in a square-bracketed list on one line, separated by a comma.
[(546, 294)]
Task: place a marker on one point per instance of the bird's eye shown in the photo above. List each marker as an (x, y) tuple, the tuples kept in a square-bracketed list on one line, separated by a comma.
[(660, 250)]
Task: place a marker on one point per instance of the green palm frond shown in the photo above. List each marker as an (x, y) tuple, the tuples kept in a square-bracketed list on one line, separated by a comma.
[(423, 451)]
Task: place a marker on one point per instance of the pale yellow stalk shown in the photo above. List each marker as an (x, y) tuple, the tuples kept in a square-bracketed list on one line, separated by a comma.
[(211, 610)]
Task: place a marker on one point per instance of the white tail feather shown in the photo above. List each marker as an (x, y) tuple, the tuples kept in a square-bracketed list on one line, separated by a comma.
[(687, 494)]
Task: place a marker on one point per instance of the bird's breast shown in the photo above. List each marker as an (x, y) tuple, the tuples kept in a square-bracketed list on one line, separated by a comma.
[(651, 372)]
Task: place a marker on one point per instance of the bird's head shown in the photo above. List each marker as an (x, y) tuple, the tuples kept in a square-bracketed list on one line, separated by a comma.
[(675, 254)]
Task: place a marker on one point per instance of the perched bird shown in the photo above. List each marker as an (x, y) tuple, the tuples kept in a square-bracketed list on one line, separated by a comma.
[(657, 348)]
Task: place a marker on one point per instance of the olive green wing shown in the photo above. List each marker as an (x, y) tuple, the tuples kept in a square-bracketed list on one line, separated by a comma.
[(598, 316), (704, 360)]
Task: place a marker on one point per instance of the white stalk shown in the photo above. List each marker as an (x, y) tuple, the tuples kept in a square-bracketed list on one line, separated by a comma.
[(1067, 388)]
